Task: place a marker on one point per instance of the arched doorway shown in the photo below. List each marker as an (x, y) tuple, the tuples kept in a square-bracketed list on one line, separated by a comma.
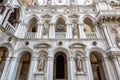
[(60, 66), (24, 65), (3, 56), (97, 66)]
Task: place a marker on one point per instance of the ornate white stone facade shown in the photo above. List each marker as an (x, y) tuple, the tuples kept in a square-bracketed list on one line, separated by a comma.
[(59, 40)]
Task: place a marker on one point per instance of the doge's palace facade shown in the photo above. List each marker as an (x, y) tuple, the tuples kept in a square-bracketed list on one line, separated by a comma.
[(59, 40)]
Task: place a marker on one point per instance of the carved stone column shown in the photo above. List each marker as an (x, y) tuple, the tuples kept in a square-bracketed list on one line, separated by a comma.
[(13, 68), (68, 30), (114, 56), (52, 31), (39, 30), (89, 68), (50, 69), (72, 68), (4, 14), (19, 32), (109, 73), (107, 35), (81, 31), (8, 12)]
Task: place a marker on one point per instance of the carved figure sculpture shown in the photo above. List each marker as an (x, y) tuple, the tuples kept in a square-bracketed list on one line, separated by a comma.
[(45, 29), (42, 62), (75, 29), (78, 62)]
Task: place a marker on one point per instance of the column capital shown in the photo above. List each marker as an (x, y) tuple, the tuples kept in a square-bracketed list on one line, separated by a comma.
[(114, 54)]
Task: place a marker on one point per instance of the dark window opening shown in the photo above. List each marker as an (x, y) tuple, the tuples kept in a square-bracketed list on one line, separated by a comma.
[(60, 70)]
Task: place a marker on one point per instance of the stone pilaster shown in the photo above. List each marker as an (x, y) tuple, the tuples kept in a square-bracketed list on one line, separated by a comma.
[(107, 35), (39, 30), (68, 31), (52, 31), (6, 14), (115, 58), (81, 31)]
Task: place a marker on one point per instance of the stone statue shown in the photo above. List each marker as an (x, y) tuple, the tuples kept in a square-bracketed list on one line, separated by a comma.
[(45, 29), (42, 62), (75, 29), (78, 62)]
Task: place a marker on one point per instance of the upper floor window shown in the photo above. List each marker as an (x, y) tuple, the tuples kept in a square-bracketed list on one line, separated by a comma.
[(88, 25), (60, 28), (60, 25), (32, 25)]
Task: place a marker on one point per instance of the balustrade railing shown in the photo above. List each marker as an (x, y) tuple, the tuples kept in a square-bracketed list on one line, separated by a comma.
[(10, 28), (60, 35), (30, 35), (91, 35)]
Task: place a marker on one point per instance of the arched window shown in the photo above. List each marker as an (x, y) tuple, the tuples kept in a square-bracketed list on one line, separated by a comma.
[(60, 66), (88, 25), (24, 65), (14, 17), (32, 27), (60, 25), (97, 66), (3, 56)]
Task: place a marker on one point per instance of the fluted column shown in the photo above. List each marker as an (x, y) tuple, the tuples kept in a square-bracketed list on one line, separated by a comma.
[(6, 17), (72, 68), (107, 35), (13, 69), (4, 14), (32, 68), (52, 31), (109, 73), (81, 31), (6, 69), (50, 70), (69, 31), (89, 68), (39, 30), (117, 66), (21, 30)]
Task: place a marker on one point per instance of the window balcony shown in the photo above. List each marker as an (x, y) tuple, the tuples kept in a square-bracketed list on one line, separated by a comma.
[(30, 35), (60, 35), (91, 35)]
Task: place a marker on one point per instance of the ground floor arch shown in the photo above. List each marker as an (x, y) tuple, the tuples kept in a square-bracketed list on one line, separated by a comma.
[(24, 65), (3, 55), (97, 66), (60, 66)]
